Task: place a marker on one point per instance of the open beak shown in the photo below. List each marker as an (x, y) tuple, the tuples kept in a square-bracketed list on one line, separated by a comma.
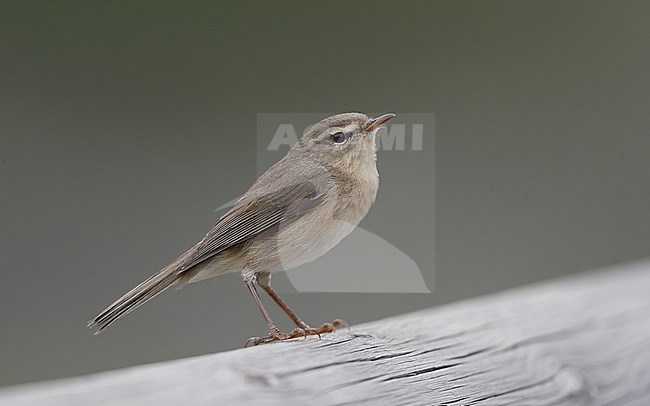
[(373, 123)]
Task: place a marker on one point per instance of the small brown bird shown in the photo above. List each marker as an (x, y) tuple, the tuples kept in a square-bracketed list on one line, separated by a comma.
[(298, 210)]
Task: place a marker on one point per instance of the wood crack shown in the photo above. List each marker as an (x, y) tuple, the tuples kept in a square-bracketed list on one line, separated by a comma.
[(578, 341)]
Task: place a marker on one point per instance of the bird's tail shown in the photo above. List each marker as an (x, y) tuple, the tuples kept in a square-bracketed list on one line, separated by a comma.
[(137, 296)]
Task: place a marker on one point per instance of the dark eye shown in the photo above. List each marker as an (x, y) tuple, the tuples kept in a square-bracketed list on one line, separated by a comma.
[(338, 137)]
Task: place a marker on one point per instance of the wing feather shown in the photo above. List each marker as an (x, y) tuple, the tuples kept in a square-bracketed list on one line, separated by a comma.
[(250, 217)]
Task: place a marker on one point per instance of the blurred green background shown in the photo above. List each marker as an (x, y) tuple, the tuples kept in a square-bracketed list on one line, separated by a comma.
[(123, 125)]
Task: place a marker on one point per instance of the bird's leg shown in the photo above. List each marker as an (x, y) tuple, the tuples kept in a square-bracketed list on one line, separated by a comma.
[(275, 333), (264, 280)]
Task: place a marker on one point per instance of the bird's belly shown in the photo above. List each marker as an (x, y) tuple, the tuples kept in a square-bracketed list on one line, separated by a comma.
[(306, 240), (298, 243)]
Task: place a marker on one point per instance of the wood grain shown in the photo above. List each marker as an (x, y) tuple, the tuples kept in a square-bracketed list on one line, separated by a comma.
[(576, 341)]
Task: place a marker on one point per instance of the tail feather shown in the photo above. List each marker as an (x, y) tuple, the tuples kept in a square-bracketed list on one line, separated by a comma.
[(142, 293)]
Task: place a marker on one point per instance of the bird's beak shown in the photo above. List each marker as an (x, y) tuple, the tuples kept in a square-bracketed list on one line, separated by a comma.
[(373, 123)]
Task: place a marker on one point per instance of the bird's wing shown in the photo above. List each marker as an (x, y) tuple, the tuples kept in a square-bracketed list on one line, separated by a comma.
[(251, 216)]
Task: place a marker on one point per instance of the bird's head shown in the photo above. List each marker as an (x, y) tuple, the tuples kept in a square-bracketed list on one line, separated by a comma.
[(345, 140)]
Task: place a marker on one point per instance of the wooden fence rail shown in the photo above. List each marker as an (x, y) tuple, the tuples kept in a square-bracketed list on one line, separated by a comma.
[(582, 340)]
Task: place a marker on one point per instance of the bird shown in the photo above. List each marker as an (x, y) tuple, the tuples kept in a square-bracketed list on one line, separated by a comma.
[(296, 211)]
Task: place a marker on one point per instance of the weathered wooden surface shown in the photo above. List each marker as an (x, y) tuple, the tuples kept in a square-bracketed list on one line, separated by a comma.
[(577, 341)]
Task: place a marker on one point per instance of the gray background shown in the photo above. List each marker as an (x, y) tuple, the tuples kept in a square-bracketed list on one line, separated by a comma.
[(124, 125)]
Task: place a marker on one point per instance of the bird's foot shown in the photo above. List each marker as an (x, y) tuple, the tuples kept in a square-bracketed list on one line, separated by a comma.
[(303, 331), (276, 335), (325, 328)]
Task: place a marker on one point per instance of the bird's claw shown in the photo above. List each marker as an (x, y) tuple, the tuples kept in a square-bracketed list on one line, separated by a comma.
[(339, 323), (309, 330), (276, 336), (303, 331)]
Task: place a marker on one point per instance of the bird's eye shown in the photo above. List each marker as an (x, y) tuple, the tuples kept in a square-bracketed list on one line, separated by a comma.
[(338, 137)]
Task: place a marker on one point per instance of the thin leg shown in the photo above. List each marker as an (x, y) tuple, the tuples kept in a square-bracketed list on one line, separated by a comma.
[(296, 319), (264, 280), (269, 322), (275, 333)]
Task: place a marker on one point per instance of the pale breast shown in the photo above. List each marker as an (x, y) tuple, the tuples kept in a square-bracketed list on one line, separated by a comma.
[(320, 230)]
